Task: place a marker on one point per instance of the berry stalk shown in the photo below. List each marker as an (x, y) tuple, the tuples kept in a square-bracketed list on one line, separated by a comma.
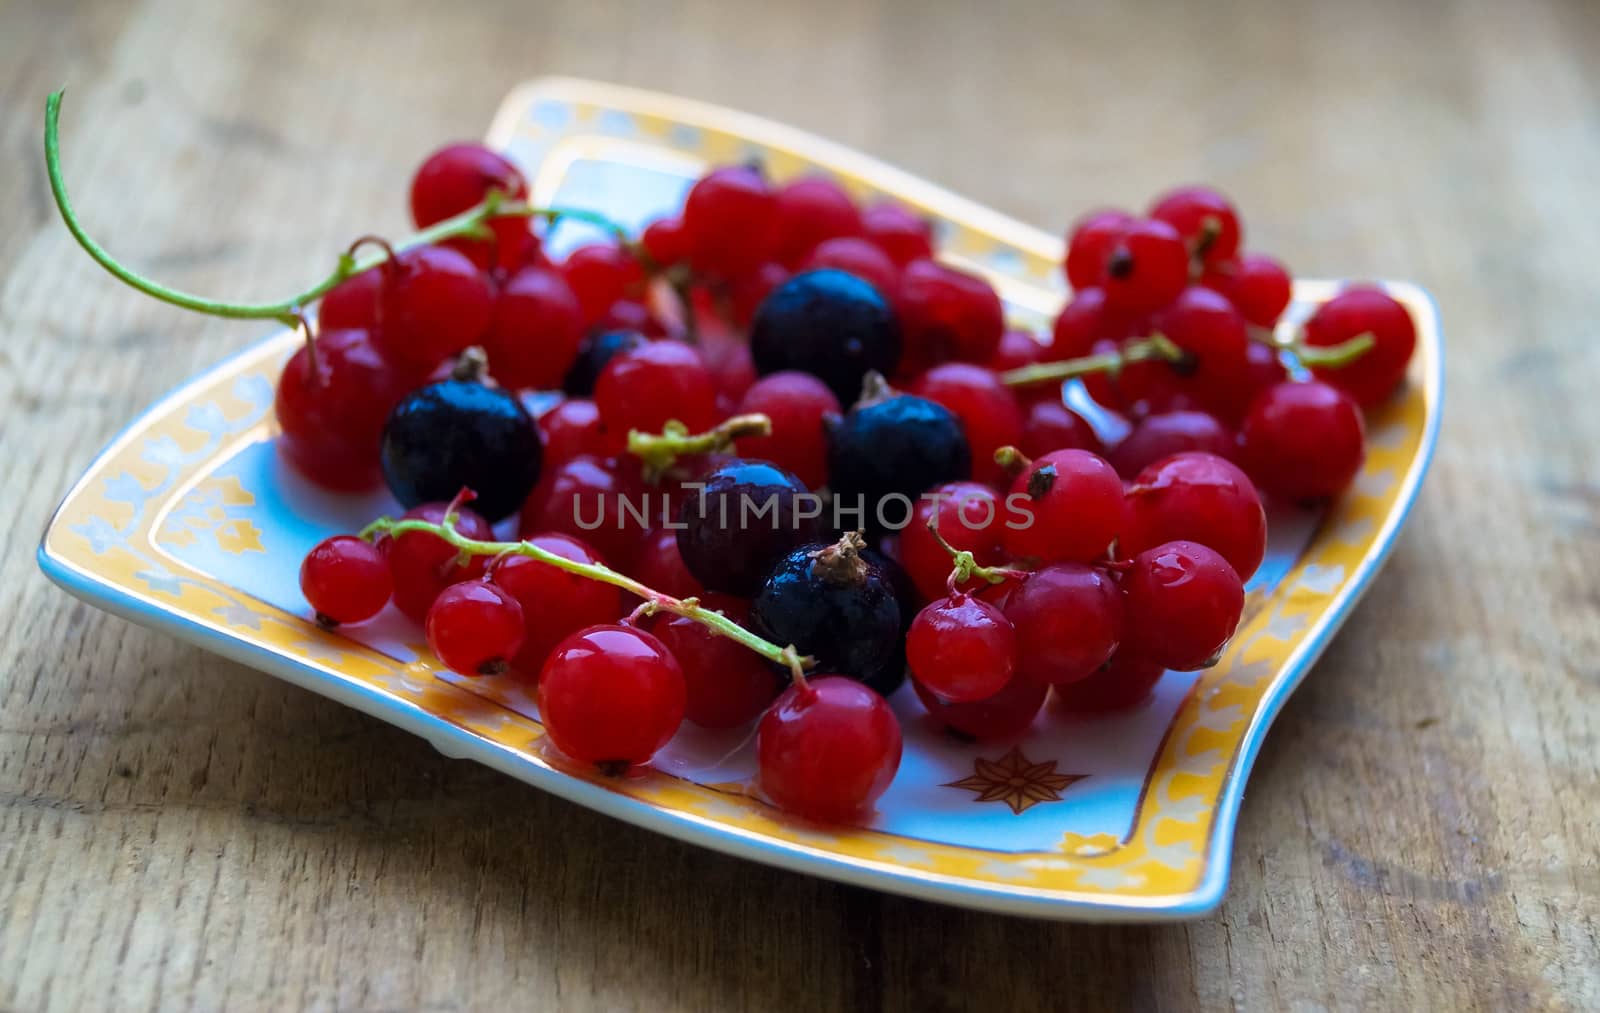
[(471, 223), (965, 565), (658, 452), (1156, 346), (654, 601)]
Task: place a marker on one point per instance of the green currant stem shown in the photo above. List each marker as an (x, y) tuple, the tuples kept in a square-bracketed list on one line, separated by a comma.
[(1012, 461), (1331, 356), (469, 223), (658, 452), (966, 564), (655, 601), (1156, 346)]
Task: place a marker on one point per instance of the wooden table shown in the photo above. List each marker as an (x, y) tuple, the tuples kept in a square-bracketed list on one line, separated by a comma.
[(1421, 830)]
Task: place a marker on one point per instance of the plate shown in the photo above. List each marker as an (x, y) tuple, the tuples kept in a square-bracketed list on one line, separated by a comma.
[(188, 523)]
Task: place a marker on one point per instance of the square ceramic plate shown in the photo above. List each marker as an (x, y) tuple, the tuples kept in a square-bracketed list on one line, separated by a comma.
[(188, 523)]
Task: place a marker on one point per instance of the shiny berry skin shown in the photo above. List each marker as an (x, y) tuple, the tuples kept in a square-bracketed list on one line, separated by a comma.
[(1201, 498), (859, 257), (945, 314), (812, 210), (749, 515), (666, 242), (475, 627), (796, 403), (534, 334), (1202, 216), (462, 434), (660, 566), (1260, 287), (1364, 309), (830, 324), (730, 217), (573, 427), (829, 750), (969, 517), (1005, 715), (1089, 244), (988, 410), (747, 292), (727, 684), (656, 383), (331, 404), (1302, 441), (353, 303), (1166, 433), (435, 302), (901, 446), (1207, 327), (834, 604), (594, 354), (961, 648), (458, 177), (1069, 508), (898, 231), (600, 274), (732, 370), (1146, 268), (611, 695), (1017, 348), (1051, 425), (1081, 322), (585, 498), (1068, 619), (423, 564), (1266, 370), (346, 580), (555, 603), (1123, 682), (1183, 602)]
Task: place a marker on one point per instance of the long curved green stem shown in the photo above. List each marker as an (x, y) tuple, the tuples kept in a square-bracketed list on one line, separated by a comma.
[(654, 601), (471, 222), (1156, 346), (658, 452)]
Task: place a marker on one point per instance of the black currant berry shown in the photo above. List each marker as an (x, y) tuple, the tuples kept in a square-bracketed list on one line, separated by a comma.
[(593, 354), (890, 446), (833, 603), (458, 434), (749, 515), (827, 323)]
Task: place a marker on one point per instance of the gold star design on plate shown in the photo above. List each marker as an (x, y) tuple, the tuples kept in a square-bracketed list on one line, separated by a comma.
[(1015, 780)]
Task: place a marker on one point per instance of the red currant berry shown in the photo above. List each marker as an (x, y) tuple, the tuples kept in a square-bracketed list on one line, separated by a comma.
[(1302, 441), (1201, 498), (1207, 327), (1365, 309), (435, 303), (666, 242), (731, 366), (968, 516), (423, 564), (535, 331), (962, 649), (331, 403), (1089, 244), (1017, 348), (475, 627), (601, 274), (352, 304), (660, 566), (1081, 322), (1157, 436), (987, 408), (595, 501), (571, 428), (730, 217), (945, 314), (458, 177), (1123, 682), (1051, 425), (748, 291), (346, 580), (611, 696), (1204, 218), (1183, 602), (658, 382), (812, 210), (898, 232), (554, 603), (1103, 387), (728, 684), (1005, 715), (1146, 268), (1261, 287), (1068, 618), (1266, 370), (796, 404), (859, 257), (1068, 506), (827, 751), (631, 315)]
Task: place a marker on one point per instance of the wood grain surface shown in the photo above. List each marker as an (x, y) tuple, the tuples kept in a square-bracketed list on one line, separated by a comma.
[(1423, 827)]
